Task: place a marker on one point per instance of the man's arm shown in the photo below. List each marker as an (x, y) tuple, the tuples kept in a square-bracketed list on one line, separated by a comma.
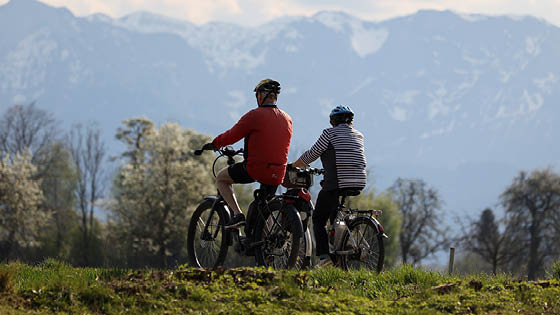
[(240, 130)]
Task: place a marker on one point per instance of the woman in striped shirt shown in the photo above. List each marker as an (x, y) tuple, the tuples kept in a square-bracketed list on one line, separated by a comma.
[(341, 149)]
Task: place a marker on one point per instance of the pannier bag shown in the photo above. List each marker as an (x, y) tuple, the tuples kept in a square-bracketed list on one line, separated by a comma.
[(297, 178)]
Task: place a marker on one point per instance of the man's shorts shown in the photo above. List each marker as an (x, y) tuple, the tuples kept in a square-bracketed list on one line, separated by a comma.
[(238, 172)]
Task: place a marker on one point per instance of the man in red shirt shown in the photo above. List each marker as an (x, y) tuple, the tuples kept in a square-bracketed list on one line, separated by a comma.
[(267, 131)]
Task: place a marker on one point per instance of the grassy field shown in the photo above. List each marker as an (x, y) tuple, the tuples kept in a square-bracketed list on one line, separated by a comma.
[(54, 287)]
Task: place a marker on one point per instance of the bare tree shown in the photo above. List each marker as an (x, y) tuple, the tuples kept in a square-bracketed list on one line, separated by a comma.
[(88, 152), (422, 230), (486, 240), (533, 202), (25, 128)]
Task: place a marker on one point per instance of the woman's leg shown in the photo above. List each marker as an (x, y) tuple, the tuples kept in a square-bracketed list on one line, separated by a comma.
[(327, 202)]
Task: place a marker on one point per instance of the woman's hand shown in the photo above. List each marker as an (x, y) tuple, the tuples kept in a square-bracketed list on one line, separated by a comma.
[(299, 163)]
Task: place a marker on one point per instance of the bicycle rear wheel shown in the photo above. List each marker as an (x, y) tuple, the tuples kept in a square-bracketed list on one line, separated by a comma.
[(207, 247), (278, 245), (362, 245)]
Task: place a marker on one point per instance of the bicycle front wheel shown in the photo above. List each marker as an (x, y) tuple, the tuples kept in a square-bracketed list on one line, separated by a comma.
[(362, 246), (278, 240), (207, 244)]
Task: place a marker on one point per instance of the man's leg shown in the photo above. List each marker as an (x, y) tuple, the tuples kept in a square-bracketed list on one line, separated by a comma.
[(224, 183)]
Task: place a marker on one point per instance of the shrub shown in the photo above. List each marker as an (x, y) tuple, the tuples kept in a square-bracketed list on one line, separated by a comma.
[(7, 274), (555, 270)]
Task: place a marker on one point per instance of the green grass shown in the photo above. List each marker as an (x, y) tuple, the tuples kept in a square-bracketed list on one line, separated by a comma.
[(55, 287)]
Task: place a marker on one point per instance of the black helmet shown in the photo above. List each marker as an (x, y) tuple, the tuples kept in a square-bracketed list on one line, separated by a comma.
[(268, 86), (341, 115)]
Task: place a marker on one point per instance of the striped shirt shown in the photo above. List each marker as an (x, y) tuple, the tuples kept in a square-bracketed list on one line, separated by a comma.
[(342, 153)]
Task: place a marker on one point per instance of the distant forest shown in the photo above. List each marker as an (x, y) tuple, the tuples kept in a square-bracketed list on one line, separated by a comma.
[(53, 181)]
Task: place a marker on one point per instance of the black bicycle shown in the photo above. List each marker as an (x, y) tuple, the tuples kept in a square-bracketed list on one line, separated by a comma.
[(272, 233), (356, 237)]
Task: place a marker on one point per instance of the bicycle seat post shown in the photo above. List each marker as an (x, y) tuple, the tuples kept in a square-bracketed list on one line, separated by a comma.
[(342, 200)]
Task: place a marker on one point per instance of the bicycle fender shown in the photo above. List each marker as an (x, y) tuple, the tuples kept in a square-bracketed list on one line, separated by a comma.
[(226, 209), (378, 225), (294, 219), (308, 244)]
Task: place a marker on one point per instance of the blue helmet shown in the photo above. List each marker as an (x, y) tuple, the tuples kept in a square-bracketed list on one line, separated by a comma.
[(342, 110), (341, 115)]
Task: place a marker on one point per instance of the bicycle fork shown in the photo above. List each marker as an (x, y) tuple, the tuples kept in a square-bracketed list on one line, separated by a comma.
[(205, 233)]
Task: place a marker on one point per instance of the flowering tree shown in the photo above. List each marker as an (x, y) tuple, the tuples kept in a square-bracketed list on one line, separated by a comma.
[(157, 188), (20, 197)]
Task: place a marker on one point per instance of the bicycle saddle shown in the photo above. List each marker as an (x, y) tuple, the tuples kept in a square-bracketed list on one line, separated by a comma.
[(350, 192), (264, 191)]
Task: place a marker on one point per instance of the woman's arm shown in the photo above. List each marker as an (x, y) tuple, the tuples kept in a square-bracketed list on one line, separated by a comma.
[(315, 152)]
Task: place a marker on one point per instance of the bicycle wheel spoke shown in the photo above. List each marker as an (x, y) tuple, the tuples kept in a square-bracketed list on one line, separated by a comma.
[(207, 242), (276, 255), (363, 243)]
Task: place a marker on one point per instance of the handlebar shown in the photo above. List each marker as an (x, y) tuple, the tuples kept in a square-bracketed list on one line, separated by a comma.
[(311, 170), (227, 151), (316, 171)]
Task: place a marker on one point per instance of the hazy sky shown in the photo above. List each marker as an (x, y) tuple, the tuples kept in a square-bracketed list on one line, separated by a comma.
[(255, 12)]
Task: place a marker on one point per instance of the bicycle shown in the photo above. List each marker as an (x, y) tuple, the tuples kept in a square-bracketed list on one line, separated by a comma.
[(356, 237), (273, 228)]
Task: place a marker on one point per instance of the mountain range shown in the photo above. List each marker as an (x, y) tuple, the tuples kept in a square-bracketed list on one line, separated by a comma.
[(463, 101)]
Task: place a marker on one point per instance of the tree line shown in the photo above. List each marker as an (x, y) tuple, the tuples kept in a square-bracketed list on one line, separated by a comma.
[(53, 182)]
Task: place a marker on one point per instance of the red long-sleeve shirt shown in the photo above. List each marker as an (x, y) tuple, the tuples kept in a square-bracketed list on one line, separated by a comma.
[(267, 131)]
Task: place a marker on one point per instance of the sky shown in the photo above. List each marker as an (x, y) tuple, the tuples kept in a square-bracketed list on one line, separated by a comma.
[(256, 12)]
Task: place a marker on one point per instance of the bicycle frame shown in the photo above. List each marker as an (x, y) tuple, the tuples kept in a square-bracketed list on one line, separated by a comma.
[(276, 221), (263, 207)]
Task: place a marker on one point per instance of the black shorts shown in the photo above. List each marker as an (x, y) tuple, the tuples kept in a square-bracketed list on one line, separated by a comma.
[(238, 172)]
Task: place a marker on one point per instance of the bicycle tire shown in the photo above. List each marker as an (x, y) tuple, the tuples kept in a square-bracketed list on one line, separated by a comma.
[(274, 231), (197, 247), (369, 242)]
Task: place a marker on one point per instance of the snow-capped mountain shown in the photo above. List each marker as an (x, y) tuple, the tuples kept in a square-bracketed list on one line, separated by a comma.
[(463, 101)]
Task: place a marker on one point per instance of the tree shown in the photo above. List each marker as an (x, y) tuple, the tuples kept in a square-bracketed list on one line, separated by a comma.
[(58, 188), (24, 128), (87, 151), (422, 232), (157, 189), (20, 196), (390, 219), (30, 130), (487, 241), (532, 202)]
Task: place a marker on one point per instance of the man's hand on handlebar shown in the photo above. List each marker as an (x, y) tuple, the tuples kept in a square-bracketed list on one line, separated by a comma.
[(208, 146)]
